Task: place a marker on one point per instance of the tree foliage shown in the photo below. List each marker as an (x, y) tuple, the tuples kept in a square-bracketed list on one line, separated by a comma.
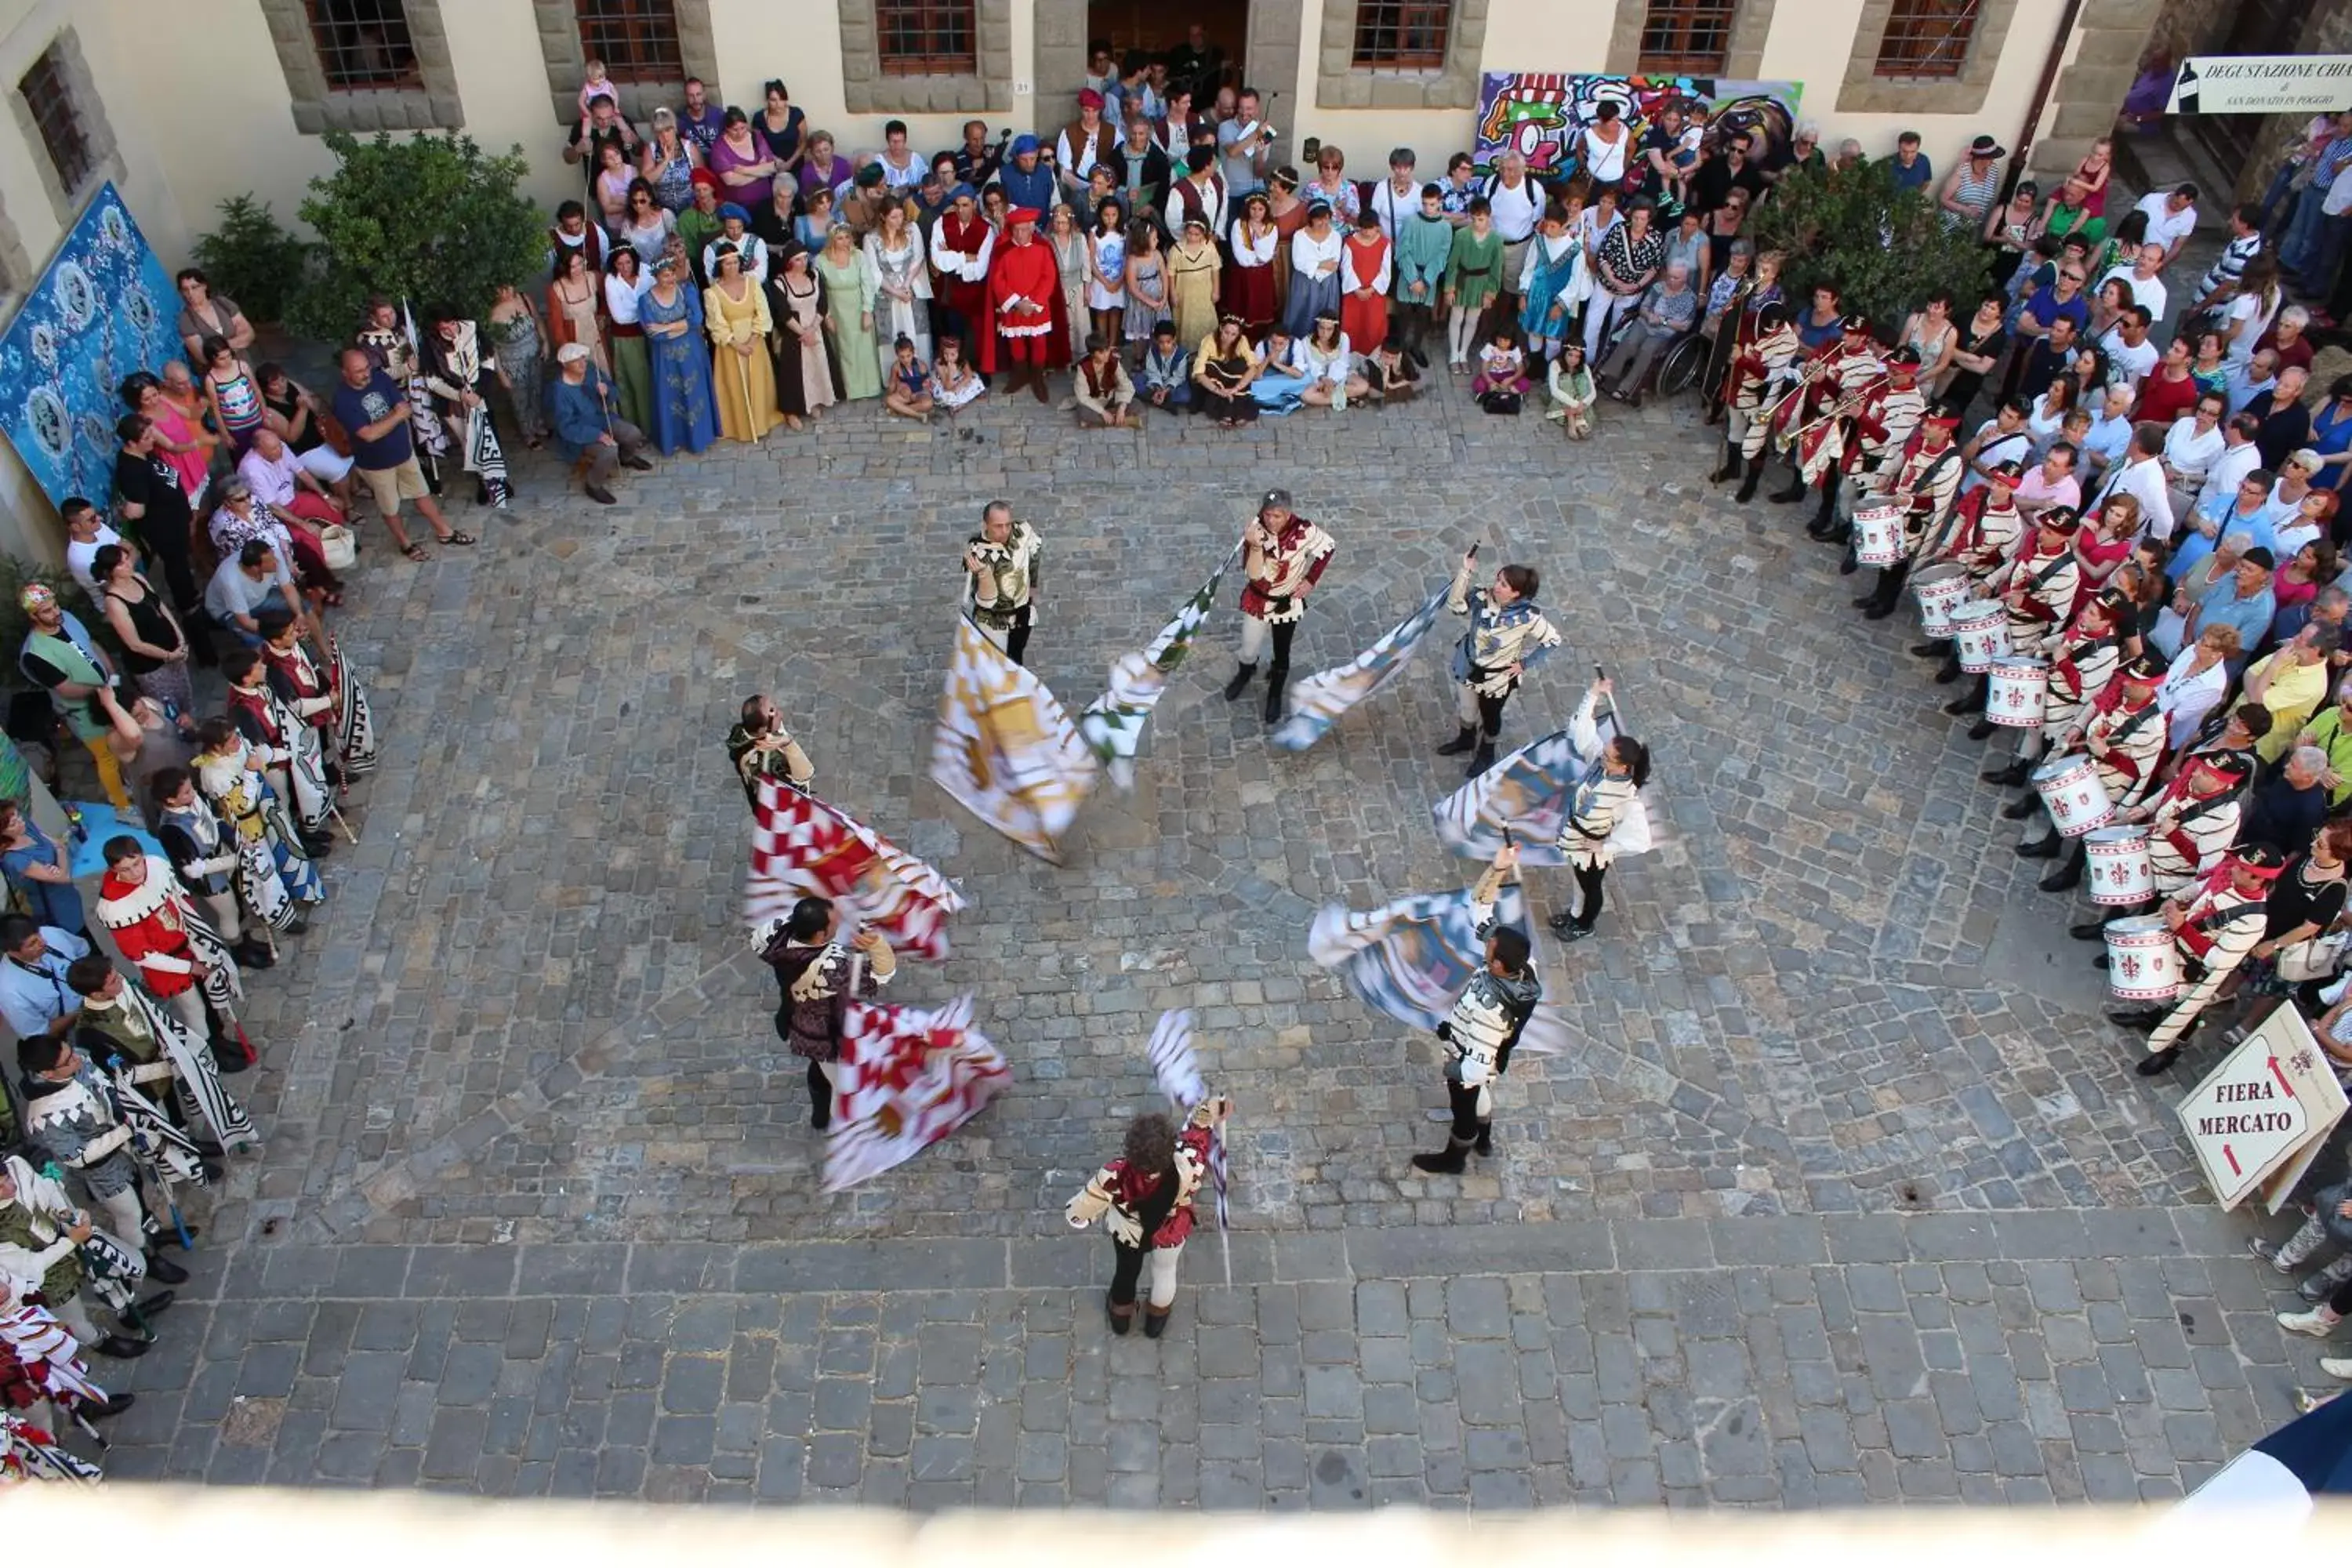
[(429, 219), (251, 258), (1883, 249)]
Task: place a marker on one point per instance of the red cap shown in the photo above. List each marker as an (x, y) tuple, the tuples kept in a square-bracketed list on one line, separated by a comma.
[(1023, 215)]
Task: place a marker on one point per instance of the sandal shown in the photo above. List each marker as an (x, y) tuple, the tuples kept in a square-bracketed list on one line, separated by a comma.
[(457, 536), (415, 551)]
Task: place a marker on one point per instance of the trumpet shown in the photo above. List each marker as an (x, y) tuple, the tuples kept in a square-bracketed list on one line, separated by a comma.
[(1845, 406)]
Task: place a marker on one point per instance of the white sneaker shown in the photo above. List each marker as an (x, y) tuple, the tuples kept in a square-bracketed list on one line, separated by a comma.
[(2319, 1322), (2337, 1367)]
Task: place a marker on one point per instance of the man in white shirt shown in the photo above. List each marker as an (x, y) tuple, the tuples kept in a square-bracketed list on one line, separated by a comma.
[(2110, 436), (2146, 287), (2140, 475), (2240, 456), (1514, 202), (2127, 343), (86, 534), (2171, 217)]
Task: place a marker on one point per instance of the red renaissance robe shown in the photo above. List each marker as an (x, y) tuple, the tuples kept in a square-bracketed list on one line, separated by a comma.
[(967, 297), (150, 925), (1027, 271)]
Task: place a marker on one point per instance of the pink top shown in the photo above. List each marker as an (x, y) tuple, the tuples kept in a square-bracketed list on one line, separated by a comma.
[(190, 466)]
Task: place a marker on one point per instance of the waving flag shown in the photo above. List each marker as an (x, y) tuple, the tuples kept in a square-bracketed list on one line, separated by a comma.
[(1113, 722), (802, 847), (1005, 749), (1411, 958), (1177, 1072), (1316, 701), (906, 1078), (1526, 794)]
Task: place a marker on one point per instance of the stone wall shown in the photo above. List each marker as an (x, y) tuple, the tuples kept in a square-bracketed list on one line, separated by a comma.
[(1339, 85), (2090, 90), (319, 108)]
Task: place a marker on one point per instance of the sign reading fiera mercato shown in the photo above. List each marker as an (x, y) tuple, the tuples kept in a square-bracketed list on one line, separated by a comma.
[(2262, 84), (2272, 1102)]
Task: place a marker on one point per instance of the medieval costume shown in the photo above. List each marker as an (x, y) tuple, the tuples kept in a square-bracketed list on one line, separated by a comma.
[(1024, 329), (998, 595), (768, 753), (42, 1374), (1148, 1215), (38, 1252), (156, 1052), (961, 248), (1283, 558), (2082, 663), (204, 851), (454, 365), (2123, 730), (157, 928), (288, 752), (818, 980), (1601, 797), (275, 872), (82, 1122), (330, 701), (2216, 921), (1762, 372), (2040, 582), (1480, 1034), (1503, 641), (1815, 426), (1923, 483)]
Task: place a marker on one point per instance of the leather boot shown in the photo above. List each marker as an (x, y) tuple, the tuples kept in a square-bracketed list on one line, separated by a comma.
[(1481, 759), (1826, 520), (2020, 808), (1240, 682), (1155, 1322), (1486, 1145), (2160, 1062), (1037, 384), (820, 1098), (1121, 1318), (163, 1272), (1849, 563), (1461, 743), (1933, 649), (2043, 849), (1449, 1163), (1747, 485), (2068, 875), (1276, 679), (1885, 602), (1982, 729), (1730, 467), (1949, 670), (2012, 776), (1791, 494), (1972, 701)]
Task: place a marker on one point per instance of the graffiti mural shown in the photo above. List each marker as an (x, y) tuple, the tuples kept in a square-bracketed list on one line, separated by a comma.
[(1542, 114)]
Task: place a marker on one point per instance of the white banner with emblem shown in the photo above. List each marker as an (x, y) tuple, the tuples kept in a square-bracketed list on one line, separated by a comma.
[(2259, 1119), (2262, 84)]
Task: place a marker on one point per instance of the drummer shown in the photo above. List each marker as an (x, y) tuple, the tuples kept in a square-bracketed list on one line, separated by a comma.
[(2123, 731), (1882, 434), (2192, 824), (2081, 666), (1985, 526), (1923, 484), (2040, 582), (2216, 921)]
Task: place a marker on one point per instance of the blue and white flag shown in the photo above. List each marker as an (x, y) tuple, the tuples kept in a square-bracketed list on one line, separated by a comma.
[(1177, 1068), (1525, 795), (1411, 959), (1318, 701)]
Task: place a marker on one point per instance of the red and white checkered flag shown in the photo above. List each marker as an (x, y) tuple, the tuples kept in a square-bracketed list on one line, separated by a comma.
[(802, 847), (906, 1078)]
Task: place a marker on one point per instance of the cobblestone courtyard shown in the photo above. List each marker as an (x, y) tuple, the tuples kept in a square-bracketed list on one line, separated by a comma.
[(1844, 1193)]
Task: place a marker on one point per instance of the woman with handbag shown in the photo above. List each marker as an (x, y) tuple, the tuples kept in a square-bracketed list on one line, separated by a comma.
[(2305, 904)]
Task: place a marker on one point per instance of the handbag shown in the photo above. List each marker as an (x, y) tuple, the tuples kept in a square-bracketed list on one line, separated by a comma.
[(1500, 403), (338, 548), (2317, 959)]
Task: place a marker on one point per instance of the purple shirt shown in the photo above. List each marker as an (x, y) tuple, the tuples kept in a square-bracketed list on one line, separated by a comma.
[(723, 159), (704, 131)]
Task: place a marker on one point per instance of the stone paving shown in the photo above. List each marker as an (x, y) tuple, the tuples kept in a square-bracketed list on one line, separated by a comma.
[(1843, 1193)]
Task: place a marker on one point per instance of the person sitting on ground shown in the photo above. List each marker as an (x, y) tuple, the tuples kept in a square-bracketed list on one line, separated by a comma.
[(1106, 394), (906, 392), (1502, 378), (1572, 392)]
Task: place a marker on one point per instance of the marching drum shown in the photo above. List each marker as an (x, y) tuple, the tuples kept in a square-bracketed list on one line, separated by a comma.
[(2143, 966), (2118, 864), (2014, 697), (2074, 794), (1878, 534), (1980, 628), (1940, 590)]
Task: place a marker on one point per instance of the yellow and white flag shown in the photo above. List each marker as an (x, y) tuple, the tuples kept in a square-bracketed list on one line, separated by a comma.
[(1006, 750)]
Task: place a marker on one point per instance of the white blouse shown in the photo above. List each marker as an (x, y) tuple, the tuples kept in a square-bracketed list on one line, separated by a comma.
[(1307, 253), (2189, 453), (1258, 252), (622, 296)]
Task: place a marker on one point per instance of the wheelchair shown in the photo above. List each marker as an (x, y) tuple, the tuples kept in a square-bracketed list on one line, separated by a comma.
[(1673, 370)]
